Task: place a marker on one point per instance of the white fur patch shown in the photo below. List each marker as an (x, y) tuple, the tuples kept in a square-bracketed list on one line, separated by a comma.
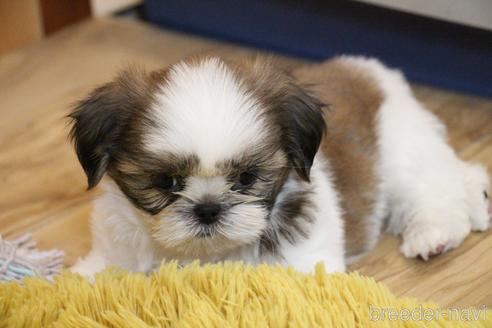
[(205, 110), (326, 238)]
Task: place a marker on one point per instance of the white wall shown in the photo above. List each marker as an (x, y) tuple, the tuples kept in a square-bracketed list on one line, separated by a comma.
[(107, 7), (477, 13)]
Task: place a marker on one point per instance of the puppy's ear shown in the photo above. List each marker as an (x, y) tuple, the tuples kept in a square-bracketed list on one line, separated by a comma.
[(293, 109), (99, 121), (95, 128), (302, 127)]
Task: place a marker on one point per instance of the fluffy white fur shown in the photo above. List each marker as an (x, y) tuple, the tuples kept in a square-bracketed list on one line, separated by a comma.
[(434, 198), (205, 111)]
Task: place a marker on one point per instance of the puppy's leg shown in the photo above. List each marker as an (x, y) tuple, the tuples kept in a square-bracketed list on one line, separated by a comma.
[(325, 238), (90, 264), (118, 237), (422, 176), (427, 193)]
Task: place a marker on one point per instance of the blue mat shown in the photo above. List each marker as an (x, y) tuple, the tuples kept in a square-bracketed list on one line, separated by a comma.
[(428, 51)]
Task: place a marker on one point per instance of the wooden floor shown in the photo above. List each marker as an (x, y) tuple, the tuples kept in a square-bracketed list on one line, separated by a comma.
[(44, 187)]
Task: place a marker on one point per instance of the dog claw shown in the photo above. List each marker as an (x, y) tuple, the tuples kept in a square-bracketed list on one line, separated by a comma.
[(439, 249)]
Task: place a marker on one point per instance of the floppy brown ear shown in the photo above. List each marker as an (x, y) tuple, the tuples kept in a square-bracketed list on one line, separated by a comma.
[(295, 112), (96, 121), (99, 120), (302, 127)]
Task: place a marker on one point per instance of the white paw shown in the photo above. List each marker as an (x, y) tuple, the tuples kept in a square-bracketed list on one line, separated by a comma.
[(91, 264), (481, 213), (478, 198), (433, 234)]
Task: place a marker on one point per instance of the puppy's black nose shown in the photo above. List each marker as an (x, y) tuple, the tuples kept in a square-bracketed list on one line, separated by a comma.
[(207, 212)]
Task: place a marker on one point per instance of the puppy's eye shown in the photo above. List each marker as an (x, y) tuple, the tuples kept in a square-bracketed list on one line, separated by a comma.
[(485, 194), (165, 182), (244, 180)]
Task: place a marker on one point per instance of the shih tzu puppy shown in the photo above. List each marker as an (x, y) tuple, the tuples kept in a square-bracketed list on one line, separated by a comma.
[(214, 160)]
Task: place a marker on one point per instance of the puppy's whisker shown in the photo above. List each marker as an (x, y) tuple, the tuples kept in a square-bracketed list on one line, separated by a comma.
[(249, 201), (291, 167), (246, 200), (186, 196), (220, 229)]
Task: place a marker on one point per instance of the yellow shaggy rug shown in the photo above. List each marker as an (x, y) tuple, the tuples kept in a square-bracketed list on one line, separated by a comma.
[(229, 295)]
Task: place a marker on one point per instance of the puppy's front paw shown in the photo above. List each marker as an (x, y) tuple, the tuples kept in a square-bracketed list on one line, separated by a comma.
[(91, 264), (428, 235)]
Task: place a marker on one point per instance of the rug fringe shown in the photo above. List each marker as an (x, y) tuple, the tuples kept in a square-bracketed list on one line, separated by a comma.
[(20, 258)]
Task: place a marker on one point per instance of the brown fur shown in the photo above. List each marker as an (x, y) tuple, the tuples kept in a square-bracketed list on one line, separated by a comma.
[(350, 143), (292, 113)]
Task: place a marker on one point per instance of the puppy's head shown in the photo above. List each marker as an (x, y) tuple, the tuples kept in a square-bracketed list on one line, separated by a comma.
[(201, 149)]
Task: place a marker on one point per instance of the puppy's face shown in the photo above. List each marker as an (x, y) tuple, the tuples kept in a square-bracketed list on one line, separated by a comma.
[(202, 148)]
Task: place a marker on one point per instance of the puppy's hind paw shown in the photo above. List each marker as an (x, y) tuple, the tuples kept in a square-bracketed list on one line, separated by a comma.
[(428, 237), (424, 244), (481, 216), (478, 197), (439, 249)]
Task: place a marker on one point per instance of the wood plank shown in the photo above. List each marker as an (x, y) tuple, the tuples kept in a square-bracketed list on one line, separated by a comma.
[(467, 118)]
